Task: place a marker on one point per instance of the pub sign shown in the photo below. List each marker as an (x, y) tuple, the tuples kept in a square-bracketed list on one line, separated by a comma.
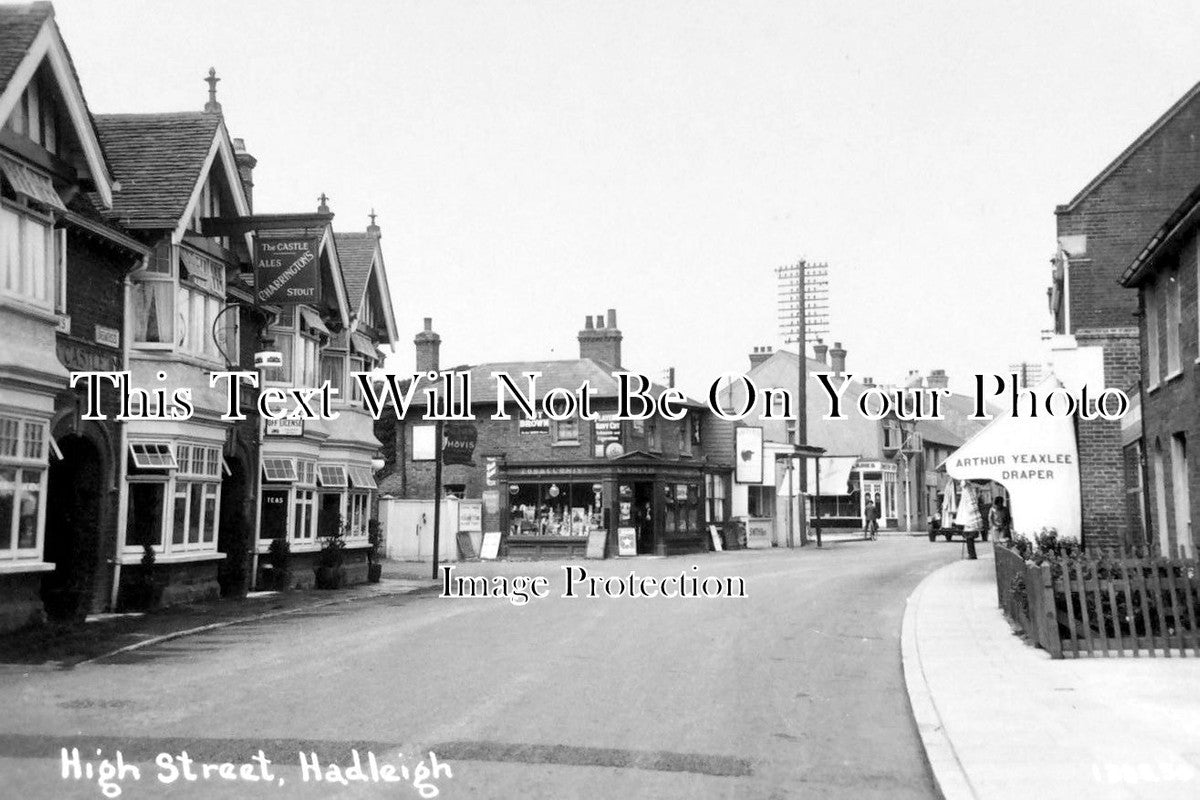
[(287, 270)]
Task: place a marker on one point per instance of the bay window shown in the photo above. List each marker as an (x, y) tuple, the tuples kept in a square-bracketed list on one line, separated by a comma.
[(360, 514), (333, 367), (22, 487), (176, 300), (190, 476)]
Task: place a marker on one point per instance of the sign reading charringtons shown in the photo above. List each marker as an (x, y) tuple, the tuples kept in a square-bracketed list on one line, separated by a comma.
[(287, 270)]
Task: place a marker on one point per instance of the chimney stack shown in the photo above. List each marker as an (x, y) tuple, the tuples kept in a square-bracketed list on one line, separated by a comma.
[(245, 167), (938, 379), (868, 382), (599, 341), (837, 359), (760, 354), (821, 352), (428, 345)]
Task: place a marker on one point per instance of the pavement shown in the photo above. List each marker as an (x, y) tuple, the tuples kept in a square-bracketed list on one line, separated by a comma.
[(794, 690), (1000, 719), (103, 635)]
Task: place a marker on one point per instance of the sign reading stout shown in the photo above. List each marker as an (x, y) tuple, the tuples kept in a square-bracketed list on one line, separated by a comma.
[(287, 270)]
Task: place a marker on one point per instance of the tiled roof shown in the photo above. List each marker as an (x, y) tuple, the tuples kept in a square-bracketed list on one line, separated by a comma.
[(157, 158), (355, 252), (19, 26)]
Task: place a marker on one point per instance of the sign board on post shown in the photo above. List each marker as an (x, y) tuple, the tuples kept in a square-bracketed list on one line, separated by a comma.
[(287, 270), (458, 443)]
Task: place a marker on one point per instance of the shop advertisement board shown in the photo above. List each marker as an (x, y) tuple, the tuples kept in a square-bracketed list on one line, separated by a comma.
[(470, 517), (287, 270), (490, 550), (536, 425), (284, 427), (458, 443), (627, 541), (748, 454), (597, 543)]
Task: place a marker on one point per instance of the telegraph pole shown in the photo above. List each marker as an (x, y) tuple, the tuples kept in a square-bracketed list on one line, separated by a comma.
[(803, 317)]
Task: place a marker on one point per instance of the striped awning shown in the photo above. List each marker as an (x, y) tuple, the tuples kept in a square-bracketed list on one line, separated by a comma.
[(32, 184)]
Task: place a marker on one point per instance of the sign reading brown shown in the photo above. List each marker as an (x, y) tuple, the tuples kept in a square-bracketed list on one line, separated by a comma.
[(287, 270)]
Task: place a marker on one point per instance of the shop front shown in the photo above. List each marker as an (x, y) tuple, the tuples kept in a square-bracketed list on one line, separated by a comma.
[(643, 508), (877, 482)]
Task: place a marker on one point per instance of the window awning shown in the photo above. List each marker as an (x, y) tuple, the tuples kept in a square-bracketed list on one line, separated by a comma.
[(33, 185), (152, 455), (362, 344), (331, 475), (282, 470), (312, 320), (362, 478), (835, 475)]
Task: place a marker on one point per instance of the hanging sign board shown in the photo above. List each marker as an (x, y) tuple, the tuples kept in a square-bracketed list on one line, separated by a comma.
[(287, 270), (458, 443)]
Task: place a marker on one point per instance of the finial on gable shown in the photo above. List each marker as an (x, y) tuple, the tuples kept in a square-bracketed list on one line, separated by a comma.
[(212, 106), (323, 208), (373, 229)]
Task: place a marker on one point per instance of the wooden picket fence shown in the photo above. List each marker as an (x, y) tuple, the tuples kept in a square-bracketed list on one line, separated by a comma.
[(1114, 604)]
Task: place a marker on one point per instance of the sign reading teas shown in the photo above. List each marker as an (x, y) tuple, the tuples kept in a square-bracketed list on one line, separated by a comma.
[(287, 270)]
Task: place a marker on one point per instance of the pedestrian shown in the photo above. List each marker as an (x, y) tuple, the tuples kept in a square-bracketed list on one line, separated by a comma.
[(969, 517), (871, 519), (999, 520)]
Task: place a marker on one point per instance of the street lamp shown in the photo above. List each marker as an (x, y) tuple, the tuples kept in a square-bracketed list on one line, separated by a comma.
[(908, 434)]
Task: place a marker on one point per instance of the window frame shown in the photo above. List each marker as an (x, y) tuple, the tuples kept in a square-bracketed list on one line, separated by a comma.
[(52, 278), (25, 463)]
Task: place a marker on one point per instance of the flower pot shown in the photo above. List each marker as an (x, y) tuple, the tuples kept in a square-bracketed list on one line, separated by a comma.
[(374, 572), (933, 536)]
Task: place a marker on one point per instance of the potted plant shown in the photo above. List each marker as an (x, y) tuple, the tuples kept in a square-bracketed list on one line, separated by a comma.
[(329, 570), (278, 577), (145, 591), (375, 540)]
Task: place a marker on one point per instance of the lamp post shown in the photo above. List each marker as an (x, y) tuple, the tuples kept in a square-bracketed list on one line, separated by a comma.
[(908, 430)]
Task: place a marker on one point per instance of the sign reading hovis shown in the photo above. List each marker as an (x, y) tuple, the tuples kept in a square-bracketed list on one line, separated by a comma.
[(287, 270)]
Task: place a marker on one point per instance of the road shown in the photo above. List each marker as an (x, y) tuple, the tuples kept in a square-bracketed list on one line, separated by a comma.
[(795, 690)]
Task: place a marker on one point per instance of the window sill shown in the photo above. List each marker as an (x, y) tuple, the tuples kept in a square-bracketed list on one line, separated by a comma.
[(1173, 375), (565, 444), (29, 308), (1153, 388), (11, 567), (135, 557)]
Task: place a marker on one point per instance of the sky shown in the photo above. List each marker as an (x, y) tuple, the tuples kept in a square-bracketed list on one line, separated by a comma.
[(532, 163)]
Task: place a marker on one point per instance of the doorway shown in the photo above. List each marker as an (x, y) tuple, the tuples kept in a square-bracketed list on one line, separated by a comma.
[(643, 516), (72, 529)]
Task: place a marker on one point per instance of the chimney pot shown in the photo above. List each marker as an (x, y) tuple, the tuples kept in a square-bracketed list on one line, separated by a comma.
[(837, 359), (612, 318)]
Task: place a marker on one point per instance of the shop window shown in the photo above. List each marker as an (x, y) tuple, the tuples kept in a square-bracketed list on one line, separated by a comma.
[(360, 513), (566, 431), (196, 497), (760, 501), (555, 509), (304, 519), (144, 515), (273, 523), (30, 250), (22, 486), (329, 514)]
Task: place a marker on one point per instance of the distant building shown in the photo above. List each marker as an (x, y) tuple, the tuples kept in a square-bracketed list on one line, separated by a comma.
[(1029, 373), (545, 484)]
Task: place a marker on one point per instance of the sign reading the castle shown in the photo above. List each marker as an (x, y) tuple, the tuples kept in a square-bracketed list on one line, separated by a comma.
[(287, 270)]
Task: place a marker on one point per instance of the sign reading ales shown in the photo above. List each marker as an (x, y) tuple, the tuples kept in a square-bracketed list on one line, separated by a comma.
[(287, 270)]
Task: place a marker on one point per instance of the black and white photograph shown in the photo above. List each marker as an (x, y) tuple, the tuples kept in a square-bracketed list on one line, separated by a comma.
[(599, 399)]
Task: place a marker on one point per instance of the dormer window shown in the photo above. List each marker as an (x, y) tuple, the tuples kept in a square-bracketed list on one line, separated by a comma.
[(176, 300)]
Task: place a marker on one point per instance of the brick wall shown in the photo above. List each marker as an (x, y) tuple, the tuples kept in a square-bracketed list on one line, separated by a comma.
[(1170, 407)]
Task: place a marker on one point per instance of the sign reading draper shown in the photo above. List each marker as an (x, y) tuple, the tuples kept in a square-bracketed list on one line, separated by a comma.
[(287, 270)]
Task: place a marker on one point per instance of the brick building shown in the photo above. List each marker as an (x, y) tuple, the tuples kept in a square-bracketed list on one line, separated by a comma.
[(1100, 231), (1166, 275), (546, 484), (62, 272)]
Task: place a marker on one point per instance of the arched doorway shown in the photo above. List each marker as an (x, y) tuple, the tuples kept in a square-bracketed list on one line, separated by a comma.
[(233, 536), (72, 529)]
